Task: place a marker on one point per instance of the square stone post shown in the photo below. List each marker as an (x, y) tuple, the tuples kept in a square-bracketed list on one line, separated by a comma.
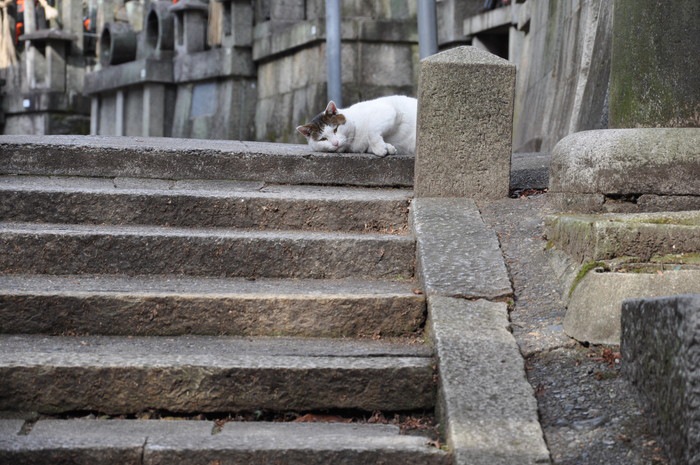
[(237, 23), (465, 125), (190, 26)]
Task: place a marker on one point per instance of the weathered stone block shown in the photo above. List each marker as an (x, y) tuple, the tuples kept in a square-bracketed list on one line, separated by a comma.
[(619, 166), (465, 121), (593, 311), (642, 235), (155, 158), (661, 357)]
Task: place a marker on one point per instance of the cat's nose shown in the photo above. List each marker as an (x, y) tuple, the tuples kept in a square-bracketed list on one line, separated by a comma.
[(335, 143)]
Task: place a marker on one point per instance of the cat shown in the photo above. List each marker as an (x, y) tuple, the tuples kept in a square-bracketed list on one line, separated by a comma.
[(383, 126)]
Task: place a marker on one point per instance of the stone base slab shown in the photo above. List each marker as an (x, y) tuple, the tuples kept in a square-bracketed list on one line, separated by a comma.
[(643, 236), (593, 311), (590, 167)]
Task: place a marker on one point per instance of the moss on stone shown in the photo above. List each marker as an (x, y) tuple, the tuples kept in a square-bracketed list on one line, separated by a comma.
[(583, 271)]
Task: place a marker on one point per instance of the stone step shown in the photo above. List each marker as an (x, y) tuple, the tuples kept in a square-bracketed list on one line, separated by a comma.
[(133, 250), (614, 235), (177, 305), (151, 442), (198, 203), (169, 158), (199, 374)]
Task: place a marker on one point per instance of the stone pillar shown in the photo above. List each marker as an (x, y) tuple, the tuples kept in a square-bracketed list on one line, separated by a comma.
[(153, 109), (94, 115), (655, 75), (465, 125), (119, 114)]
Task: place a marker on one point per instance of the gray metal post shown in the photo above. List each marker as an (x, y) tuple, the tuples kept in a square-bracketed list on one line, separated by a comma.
[(427, 28), (333, 57)]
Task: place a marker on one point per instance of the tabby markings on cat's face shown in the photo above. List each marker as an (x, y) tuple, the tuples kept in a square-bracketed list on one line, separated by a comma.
[(325, 131)]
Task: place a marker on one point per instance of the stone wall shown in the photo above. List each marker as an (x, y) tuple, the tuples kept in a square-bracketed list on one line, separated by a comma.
[(188, 77), (563, 71), (379, 57), (655, 80), (43, 91)]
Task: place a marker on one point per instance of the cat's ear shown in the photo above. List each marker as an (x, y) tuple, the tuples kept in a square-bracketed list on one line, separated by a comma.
[(304, 130), (331, 108)]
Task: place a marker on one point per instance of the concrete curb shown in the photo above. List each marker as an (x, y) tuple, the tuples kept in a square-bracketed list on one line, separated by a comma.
[(594, 308), (485, 402), (458, 255)]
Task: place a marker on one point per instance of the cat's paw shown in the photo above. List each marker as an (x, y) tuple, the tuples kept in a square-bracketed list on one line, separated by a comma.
[(384, 150)]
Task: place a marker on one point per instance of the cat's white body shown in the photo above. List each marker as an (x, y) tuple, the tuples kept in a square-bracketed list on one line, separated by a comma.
[(383, 126)]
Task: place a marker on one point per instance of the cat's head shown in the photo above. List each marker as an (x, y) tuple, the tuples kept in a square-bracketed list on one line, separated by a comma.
[(325, 131)]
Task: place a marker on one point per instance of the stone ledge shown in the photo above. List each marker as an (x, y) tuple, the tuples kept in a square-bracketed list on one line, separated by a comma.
[(593, 310), (661, 357), (190, 374), (216, 63), (164, 442), (485, 402), (457, 254), (614, 203), (171, 158), (127, 74), (644, 235), (499, 18), (625, 162)]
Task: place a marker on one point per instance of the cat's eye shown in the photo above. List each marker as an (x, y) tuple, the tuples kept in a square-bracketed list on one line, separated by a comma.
[(323, 139), (335, 129)]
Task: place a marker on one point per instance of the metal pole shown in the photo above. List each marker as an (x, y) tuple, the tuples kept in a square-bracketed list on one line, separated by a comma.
[(427, 28), (335, 84)]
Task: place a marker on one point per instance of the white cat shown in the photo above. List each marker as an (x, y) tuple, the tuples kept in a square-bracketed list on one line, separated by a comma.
[(382, 126)]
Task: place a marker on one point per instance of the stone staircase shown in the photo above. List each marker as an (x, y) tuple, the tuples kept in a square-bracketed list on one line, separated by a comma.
[(133, 279)]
